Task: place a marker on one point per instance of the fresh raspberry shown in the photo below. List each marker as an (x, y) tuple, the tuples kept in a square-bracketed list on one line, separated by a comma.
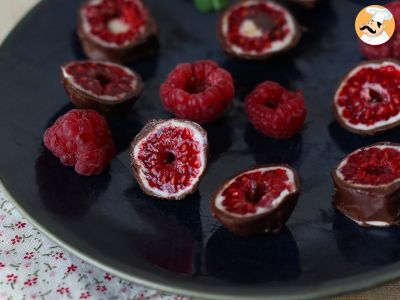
[(275, 111), (81, 138), (390, 49), (199, 92)]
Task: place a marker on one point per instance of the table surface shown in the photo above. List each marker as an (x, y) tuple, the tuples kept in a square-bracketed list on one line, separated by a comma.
[(11, 11)]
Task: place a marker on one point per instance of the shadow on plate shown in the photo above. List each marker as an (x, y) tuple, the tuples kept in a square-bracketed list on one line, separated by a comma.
[(369, 246), (260, 72), (65, 192), (316, 23), (252, 259), (124, 128), (171, 233), (348, 142), (267, 150), (219, 135)]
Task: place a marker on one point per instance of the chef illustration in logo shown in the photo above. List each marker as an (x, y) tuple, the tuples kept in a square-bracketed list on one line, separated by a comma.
[(375, 25)]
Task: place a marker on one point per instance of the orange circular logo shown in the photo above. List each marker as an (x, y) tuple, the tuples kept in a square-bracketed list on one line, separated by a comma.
[(375, 25)]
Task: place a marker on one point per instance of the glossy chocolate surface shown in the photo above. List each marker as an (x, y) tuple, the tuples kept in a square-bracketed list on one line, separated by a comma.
[(271, 221), (368, 205)]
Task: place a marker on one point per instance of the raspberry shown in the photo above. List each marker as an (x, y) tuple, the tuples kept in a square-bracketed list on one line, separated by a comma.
[(275, 111), (169, 158), (390, 49), (81, 138), (199, 92)]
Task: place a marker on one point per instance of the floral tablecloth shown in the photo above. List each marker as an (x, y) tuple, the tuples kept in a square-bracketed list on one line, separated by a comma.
[(32, 267)]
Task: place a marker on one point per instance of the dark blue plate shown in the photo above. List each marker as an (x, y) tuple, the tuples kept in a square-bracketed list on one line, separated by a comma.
[(178, 246)]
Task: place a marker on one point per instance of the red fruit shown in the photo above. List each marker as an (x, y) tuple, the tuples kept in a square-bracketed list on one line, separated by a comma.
[(117, 30), (200, 92), (390, 49), (275, 111), (367, 185), (368, 98), (258, 200), (101, 86), (257, 29), (169, 157), (81, 138)]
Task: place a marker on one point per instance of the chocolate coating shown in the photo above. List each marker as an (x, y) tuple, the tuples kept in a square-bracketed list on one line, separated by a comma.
[(144, 45), (268, 25), (338, 117), (368, 204), (271, 221), (147, 129), (82, 99)]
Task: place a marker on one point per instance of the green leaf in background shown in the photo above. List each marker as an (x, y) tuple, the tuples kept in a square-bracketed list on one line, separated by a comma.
[(219, 4), (210, 5)]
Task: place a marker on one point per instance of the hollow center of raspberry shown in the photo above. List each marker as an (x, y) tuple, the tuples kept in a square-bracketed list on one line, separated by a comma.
[(257, 189), (115, 21), (196, 85), (101, 79), (256, 27), (255, 192), (377, 170), (372, 166), (371, 95), (374, 96), (171, 158), (272, 104)]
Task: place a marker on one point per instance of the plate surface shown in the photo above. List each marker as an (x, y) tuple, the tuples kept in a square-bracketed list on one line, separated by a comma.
[(178, 246)]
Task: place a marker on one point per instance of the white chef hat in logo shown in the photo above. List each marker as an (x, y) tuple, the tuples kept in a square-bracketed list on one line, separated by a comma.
[(379, 14)]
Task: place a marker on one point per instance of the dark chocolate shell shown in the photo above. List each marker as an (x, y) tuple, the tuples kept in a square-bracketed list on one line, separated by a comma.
[(367, 185), (144, 43), (268, 218), (103, 86), (254, 28)]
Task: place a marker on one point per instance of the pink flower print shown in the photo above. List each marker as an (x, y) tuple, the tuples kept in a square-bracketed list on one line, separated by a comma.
[(72, 268), (53, 274), (29, 255), (27, 265), (63, 290), (84, 295), (34, 296), (31, 281), (17, 239), (124, 290), (20, 224), (12, 278), (2, 265), (101, 288), (58, 255), (108, 277), (141, 297), (2, 217)]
